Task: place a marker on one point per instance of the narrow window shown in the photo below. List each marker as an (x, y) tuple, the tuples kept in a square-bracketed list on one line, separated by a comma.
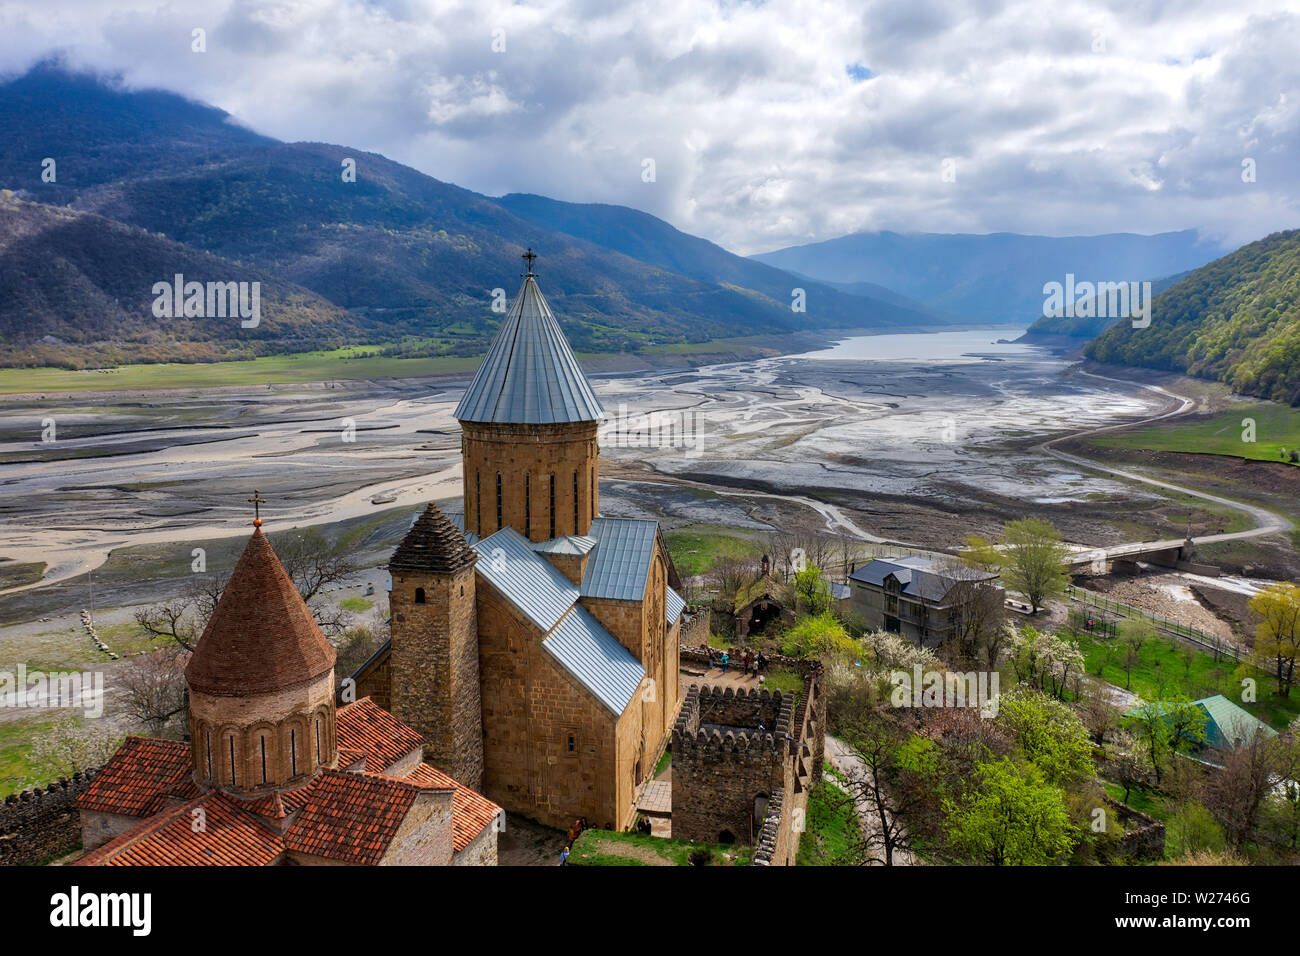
[(593, 492), (573, 744), (207, 748), (575, 502), (232, 760), (318, 756), (498, 499), (293, 752), (528, 505), (478, 506), (552, 484), (419, 595), (263, 740)]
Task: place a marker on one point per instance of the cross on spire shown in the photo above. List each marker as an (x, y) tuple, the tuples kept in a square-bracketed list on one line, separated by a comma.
[(528, 257), (257, 501)]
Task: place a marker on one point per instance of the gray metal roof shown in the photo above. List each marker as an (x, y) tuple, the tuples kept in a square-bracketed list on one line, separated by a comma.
[(620, 564), (917, 576), (595, 658), (674, 604), (530, 375), (570, 544), (525, 578)]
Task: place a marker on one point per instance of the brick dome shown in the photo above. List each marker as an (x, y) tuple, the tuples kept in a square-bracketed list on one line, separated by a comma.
[(261, 637)]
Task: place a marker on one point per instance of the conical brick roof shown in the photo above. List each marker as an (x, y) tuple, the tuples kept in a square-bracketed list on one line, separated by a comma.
[(433, 545), (261, 636)]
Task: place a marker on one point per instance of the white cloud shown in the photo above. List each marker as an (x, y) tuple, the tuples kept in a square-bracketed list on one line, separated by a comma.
[(762, 130)]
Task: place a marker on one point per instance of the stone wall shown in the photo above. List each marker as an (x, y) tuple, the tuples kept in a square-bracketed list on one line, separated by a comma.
[(724, 769), (696, 620), (43, 822), (773, 846), (1144, 836), (721, 772)]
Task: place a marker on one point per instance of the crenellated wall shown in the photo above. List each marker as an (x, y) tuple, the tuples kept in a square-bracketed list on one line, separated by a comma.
[(42, 822)]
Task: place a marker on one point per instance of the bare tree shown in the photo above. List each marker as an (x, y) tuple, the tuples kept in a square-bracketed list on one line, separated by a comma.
[(876, 741), (156, 693), (1236, 794), (308, 558)]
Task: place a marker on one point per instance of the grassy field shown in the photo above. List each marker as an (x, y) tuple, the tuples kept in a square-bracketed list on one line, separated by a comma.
[(697, 548), (608, 848), (833, 829), (355, 362), (1276, 427), (1167, 667)]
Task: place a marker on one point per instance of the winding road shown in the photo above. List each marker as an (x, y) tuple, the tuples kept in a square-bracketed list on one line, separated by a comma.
[(1266, 522)]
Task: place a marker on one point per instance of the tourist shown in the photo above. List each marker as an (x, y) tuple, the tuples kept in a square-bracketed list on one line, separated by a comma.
[(564, 857), (748, 660), (575, 831), (726, 658), (762, 662)]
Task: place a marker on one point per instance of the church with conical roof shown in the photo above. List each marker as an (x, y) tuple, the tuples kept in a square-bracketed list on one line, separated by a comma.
[(275, 772), (534, 642)]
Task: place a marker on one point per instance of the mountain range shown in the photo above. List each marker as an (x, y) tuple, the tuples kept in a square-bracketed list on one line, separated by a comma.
[(394, 257), (996, 278)]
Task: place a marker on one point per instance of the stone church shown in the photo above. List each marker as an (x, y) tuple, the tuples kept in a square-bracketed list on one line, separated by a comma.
[(534, 643), (274, 772)]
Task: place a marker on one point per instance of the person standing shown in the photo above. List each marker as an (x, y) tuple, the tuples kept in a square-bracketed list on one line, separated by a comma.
[(564, 857)]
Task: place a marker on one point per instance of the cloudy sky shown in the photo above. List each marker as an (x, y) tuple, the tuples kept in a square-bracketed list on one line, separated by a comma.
[(769, 123)]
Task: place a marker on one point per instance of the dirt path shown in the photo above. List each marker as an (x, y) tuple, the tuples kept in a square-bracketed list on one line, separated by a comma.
[(1266, 522), (843, 759)]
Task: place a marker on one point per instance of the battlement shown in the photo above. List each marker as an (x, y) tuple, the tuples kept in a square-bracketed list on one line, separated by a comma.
[(42, 822), (733, 719), (771, 846)]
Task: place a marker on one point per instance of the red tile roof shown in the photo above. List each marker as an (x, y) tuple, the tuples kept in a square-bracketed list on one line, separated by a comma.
[(261, 636), (366, 727), (351, 817), (471, 811), (141, 777), (223, 835)]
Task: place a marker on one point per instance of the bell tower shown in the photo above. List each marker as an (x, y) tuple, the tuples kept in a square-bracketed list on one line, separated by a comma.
[(529, 422), (435, 667)]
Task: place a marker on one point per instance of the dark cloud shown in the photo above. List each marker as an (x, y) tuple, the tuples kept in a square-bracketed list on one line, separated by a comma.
[(769, 123)]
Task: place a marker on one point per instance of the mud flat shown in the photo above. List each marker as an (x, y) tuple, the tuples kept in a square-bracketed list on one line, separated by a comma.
[(921, 438)]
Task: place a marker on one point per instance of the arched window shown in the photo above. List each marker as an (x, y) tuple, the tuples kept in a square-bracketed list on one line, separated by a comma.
[(293, 752), (528, 505), (419, 595), (207, 747), (593, 492), (498, 499), (478, 505), (552, 484), (231, 741), (575, 502), (319, 758), (262, 738)]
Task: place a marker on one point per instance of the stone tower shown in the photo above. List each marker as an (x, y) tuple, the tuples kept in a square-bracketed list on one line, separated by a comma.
[(434, 655), (261, 681), (529, 424)]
